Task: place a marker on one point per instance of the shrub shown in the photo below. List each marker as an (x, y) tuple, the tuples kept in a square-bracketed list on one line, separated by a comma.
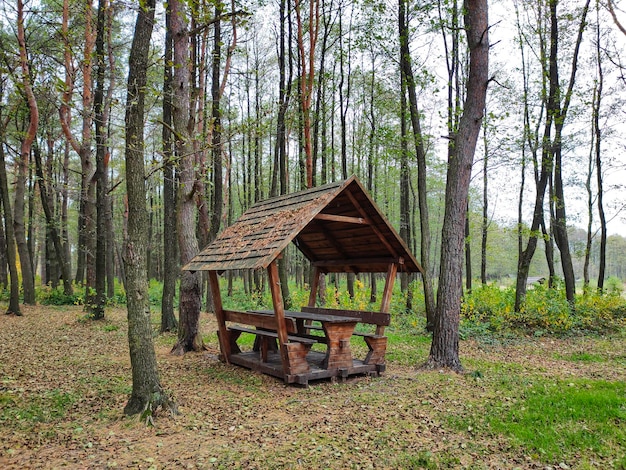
[(488, 307), (46, 295), (546, 311)]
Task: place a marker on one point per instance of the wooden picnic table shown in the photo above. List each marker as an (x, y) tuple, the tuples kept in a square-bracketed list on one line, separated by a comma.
[(337, 332)]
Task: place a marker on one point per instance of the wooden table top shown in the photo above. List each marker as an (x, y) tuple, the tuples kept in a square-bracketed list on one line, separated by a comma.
[(313, 316)]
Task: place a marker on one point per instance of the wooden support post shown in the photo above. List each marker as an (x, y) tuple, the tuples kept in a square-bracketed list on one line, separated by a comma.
[(315, 284), (222, 332), (279, 312), (386, 300)]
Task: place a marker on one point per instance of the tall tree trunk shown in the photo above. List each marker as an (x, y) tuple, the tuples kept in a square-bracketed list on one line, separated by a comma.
[(420, 152), (542, 178), (87, 237), (590, 198), (96, 306), (53, 269), (52, 227), (216, 115), (4, 261), (560, 226), (344, 104), (468, 252), (404, 165), (147, 394), (108, 215), (28, 276), (307, 68), (284, 94), (5, 199), (371, 117), (189, 337), (551, 162), (485, 219), (86, 217), (599, 179), (320, 93), (444, 351), (64, 205), (170, 265)]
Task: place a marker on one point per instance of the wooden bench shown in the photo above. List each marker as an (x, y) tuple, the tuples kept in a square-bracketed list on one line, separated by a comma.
[(376, 342), (297, 349)]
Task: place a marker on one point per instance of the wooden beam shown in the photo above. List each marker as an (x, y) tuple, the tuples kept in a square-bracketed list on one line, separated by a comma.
[(343, 218), (315, 283), (385, 303), (382, 239), (279, 312), (304, 248), (357, 261), (223, 333), (260, 320)]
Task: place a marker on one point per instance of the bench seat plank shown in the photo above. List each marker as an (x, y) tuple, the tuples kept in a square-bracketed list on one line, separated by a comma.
[(272, 334)]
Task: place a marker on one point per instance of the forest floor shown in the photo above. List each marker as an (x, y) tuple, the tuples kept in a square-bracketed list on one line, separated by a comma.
[(65, 381)]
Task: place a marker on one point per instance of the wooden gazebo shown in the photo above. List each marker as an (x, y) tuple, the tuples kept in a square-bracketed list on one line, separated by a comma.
[(339, 228)]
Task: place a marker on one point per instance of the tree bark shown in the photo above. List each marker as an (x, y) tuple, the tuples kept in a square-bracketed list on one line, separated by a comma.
[(4, 261), (551, 163), (308, 76), (598, 162), (147, 394), (190, 302), (96, 306), (216, 114), (485, 219), (420, 153), (444, 351), (170, 265), (86, 218), (14, 296), (52, 228), (285, 81), (560, 226), (28, 276), (468, 253)]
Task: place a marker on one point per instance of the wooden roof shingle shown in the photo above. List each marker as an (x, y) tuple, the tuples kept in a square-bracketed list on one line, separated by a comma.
[(338, 227)]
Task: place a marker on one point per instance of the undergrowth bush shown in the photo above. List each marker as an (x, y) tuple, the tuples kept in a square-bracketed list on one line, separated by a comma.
[(546, 311), (47, 295)]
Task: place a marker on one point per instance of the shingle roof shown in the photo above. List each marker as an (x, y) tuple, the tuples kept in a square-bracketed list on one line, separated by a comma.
[(338, 227)]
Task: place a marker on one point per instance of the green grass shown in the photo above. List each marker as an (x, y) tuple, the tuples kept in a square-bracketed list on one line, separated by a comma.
[(557, 421), (582, 357), (409, 348), (49, 406)]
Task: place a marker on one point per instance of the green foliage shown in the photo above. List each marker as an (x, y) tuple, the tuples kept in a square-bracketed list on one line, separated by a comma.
[(487, 312), (110, 327), (46, 295), (340, 298), (614, 285), (489, 309), (155, 292), (240, 300)]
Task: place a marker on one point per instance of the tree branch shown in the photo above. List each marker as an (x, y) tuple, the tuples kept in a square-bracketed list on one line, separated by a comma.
[(202, 27)]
